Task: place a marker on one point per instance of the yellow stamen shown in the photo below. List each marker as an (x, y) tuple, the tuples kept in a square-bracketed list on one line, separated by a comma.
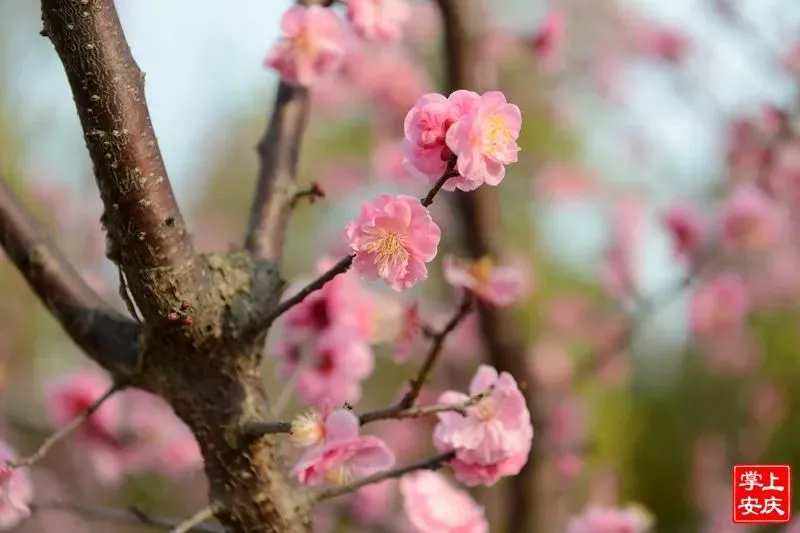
[(389, 251), (482, 269), (307, 430), (338, 476), (485, 409), (496, 136)]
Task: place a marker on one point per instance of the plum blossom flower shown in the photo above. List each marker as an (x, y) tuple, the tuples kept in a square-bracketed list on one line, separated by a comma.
[(751, 221), (328, 366), (548, 40), (660, 42), (334, 450), (426, 126), (720, 305), (433, 505), (686, 226), (485, 140), (495, 437), (631, 519), (312, 45), (131, 432), (342, 302), (393, 238), (16, 490), (497, 285), (371, 503), (378, 20)]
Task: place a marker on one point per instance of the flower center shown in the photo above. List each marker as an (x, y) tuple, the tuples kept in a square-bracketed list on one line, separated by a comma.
[(482, 269), (496, 135), (748, 230), (485, 409), (307, 430), (339, 475), (389, 251), (304, 45)]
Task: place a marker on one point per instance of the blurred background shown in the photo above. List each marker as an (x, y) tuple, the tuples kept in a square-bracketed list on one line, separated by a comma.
[(639, 106)]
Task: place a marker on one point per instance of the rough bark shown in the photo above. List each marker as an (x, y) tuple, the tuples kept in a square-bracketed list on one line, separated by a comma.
[(478, 217), (204, 359)]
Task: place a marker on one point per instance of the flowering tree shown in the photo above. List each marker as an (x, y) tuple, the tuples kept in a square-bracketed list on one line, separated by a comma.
[(182, 385)]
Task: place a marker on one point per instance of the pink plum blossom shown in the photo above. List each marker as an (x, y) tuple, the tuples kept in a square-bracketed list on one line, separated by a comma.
[(433, 505), (16, 490), (334, 450), (387, 162), (68, 397), (389, 78), (751, 221), (597, 519), (686, 226), (378, 20), (548, 40), (720, 305), (342, 302), (393, 238), (484, 140), (426, 126), (328, 366), (131, 432), (311, 47), (495, 437), (496, 285), (660, 43), (371, 503)]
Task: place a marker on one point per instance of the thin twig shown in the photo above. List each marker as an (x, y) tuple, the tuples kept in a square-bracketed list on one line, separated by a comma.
[(131, 516), (450, 172), (195, 520), (63, 432), (418, 412), (432, 463), (312, 193), (425, 370)]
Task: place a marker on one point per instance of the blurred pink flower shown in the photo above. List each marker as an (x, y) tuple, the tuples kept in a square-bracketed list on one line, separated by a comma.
[(569, 465), (312, 45), (548, 41), (497, 285), (608, 519), (719, 306), (16, 490), (342, 302), (342, 455), (131, 432), (792, 60), (390, 79), (660, 42), (329, 366), (485, 140), (616, 269), (427, 23), (380, 20), (751, 221), (387, 162), (393, 238), (551, 363), (686, 226), (567, 316), (563, 181), (433, 505), (374, 501), (495, 437)]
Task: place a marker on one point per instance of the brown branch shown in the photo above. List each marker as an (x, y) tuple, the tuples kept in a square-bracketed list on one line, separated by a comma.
[(425, 370), (141, 214), (432, 463), (63, 432), (107, 336), (418, 412), (477, 213), (278, 152), (132, 516)]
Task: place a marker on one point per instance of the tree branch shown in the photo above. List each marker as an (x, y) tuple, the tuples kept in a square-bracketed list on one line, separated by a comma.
[(108, 337), (132, 516), (141, 214), (432, 463), (478, 217), (279, 152), (418, 412)]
